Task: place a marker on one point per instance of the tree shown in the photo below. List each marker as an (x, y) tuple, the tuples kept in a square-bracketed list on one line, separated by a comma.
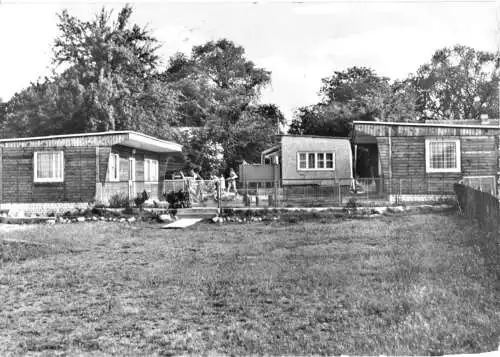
[(219, 89), (322, 119), (458, 83), (110, 82), (356, 93)]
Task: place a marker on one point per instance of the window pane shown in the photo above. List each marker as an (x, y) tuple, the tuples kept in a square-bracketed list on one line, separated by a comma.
[(321, 160), (114, 167), (146, 170), (44, 165), (311, 164), (329, 161), (153, 170), (49, 165), (302, 160), (443, 155)]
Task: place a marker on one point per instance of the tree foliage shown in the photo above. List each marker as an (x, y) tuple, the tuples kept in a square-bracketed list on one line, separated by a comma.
[(219, 90), (110, 82), (356, 93), (458, 83)]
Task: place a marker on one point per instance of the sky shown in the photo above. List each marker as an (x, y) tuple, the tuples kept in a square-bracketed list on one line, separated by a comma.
[(299, 42)]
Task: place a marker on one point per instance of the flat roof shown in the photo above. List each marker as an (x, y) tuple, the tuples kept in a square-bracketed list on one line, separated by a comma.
[(316, 136), (440, 125), (128, 138)]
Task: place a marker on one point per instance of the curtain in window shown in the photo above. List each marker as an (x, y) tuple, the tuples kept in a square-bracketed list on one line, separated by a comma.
[(49, 165)]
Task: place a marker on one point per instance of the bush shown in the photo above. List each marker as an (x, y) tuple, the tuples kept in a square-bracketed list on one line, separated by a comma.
[(119, 200), (351, 207), (179, 199), (141, 198)]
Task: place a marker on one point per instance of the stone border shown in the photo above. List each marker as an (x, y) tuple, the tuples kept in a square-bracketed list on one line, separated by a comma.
[(43, 209)]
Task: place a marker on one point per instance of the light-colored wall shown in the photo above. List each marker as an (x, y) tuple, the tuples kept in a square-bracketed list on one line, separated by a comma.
[(291, 145)]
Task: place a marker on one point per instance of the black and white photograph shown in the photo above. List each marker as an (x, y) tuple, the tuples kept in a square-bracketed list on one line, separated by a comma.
[(249, 178)]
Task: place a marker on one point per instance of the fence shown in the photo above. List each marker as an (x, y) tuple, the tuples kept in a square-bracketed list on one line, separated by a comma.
[(128, 190), (480, 206), (484, 208), (314, 192)]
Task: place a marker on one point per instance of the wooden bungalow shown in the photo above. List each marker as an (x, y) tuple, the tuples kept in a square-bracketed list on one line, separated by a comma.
[(60, 172), (417, 160)]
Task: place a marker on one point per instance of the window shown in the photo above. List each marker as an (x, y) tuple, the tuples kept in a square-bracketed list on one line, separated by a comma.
[(330, 163), (315, 161), (321, 160), (48, 166), (302, 161), (114, 167), (131, 169), (150, 170), (442, 155), (311, 162)]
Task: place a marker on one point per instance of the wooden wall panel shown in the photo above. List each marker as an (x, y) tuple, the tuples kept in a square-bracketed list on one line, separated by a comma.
[(79, 176)]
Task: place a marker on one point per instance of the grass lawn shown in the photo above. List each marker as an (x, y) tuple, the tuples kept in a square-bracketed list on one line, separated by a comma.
[(420, 284)]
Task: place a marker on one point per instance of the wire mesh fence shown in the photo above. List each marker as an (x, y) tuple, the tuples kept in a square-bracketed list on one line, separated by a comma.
[(312, 192)]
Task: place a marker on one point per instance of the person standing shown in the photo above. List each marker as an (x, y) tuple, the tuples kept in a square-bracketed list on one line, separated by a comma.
[(222, 181), (231, 181)]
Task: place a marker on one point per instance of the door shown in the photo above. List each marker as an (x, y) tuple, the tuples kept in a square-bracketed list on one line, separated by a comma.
[(131, 178)]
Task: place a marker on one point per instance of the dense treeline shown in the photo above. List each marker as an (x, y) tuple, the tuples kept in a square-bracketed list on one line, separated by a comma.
[(457, 83), (108, 76)]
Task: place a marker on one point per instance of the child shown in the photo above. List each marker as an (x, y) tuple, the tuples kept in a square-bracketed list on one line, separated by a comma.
[(222, 181)]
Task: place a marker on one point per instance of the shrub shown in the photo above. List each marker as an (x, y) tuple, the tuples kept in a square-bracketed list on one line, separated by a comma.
[(119, 200), (179, 199), (141, 198), (351, 206)]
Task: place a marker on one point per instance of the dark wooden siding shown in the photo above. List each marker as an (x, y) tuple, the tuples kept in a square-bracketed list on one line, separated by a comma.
[(83, 167), (379, 130), (140, 155), (17, 176), (402, 154)]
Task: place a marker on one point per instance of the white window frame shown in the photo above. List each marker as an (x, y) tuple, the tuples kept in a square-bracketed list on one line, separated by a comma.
[(131, 168), (316, 168), (428, 167), (148, 163), (111, 175), (48, 179)]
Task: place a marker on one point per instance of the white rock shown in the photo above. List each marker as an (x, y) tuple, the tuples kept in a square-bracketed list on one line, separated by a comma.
[(94, 218), (80, 219), (131, 220), (102, 218), (165, 218), (61, 219), (122, 220), (216, 219), (16, 213), (51, 221)]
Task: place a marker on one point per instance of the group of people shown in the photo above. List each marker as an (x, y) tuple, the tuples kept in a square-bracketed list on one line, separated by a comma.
[(196, 184)]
